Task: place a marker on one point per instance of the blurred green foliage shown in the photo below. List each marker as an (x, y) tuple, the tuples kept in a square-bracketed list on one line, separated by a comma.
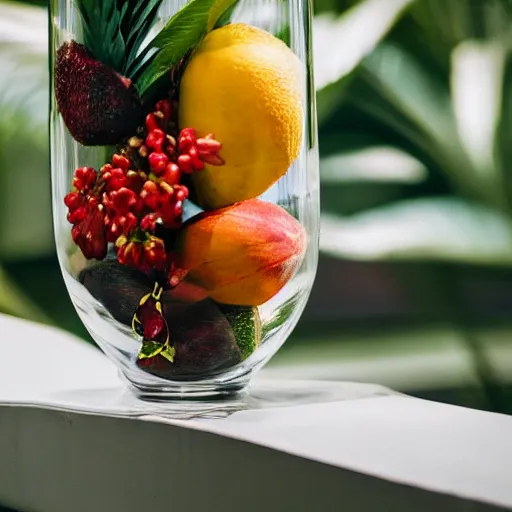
[(415, 139)]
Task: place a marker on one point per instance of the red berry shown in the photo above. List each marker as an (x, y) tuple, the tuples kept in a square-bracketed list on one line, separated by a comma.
[(115, 179), (212, 159), (155, 139), (154, 253), (121, 161), (178, 209), (144, 256), (185, 164), (152, 123), (135, 180), (77, 215), (149, 187), (194, 153), (129, 254), (74, 200), (122, 225), (122, 201), (194, 158), (153, 324), (148, 222), (92, 201), (84, 179), (158, 162), (90, 234), (186, 139), (208, 145), (165, 107), (150, 195), (181, 195), (172, 174)]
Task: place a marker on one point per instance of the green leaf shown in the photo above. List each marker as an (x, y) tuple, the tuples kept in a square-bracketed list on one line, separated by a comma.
[(355, 34), (401, 82), (246, 324), (14, 302), (284, 34), (225, 18), (331, 97), (503, 141), (395, 89), (183, 31), (101, 22), (477, 76), (441, 229), (150, 349), (142, 19), (24, 133), (218, 9), (372, 164), (168, 353), (115, 31), (272, 16)]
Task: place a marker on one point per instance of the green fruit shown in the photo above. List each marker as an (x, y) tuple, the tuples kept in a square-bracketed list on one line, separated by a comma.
[(246, 324)]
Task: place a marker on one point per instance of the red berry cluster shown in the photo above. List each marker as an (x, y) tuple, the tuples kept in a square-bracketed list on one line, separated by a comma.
[(139, 189), (86, 213)]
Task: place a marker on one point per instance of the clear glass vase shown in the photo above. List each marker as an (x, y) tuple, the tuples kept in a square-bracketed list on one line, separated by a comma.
[(185, 183)]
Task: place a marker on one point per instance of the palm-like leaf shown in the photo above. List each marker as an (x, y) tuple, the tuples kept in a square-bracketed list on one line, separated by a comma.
[(445, 99), (342, 42), (25, 220), (25, 207), (424, 229)]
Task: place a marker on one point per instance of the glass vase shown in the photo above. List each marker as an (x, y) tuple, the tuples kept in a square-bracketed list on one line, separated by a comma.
[(185, 183)]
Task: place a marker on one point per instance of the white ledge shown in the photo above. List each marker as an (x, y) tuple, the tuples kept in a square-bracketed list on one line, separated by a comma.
[(71, 439)]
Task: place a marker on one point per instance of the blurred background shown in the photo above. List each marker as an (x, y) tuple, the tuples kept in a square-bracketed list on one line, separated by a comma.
[(414, 288)]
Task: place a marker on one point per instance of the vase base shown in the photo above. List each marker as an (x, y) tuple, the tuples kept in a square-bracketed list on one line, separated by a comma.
[(186, 391)]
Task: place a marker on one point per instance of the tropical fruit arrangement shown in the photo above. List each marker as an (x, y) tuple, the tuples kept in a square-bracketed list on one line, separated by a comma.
[(202, 115)]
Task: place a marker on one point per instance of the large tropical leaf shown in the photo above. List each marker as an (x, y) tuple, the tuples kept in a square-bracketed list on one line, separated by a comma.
[(477, 78), (341, 42), (441, 229), (15, 302), (25, 209), (25, 206), (378, 164), (395, 89)]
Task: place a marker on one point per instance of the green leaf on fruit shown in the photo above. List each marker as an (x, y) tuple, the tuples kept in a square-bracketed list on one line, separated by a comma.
[(168, 353), (225, 18), (218, 10), (181, 34), (150, 349), (246, 324)]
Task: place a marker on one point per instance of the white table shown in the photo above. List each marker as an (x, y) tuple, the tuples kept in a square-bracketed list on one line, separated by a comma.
[(72, 440)]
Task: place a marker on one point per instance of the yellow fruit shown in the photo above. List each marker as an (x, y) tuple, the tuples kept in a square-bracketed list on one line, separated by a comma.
[(245, 86)]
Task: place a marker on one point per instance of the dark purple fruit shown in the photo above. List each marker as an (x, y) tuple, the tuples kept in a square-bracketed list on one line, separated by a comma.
[(119, 288), (201, 335), (202, 338), (99, 106)]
